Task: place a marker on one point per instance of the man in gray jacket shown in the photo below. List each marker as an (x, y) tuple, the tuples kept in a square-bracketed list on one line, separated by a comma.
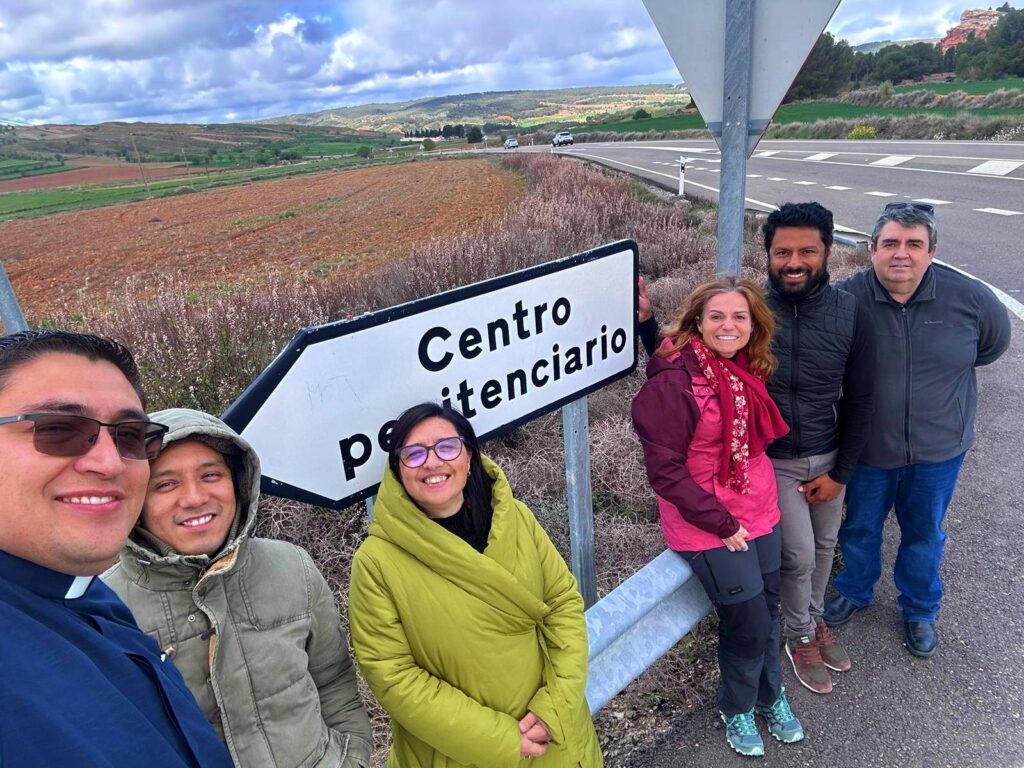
[(934, 326), (251, 623)]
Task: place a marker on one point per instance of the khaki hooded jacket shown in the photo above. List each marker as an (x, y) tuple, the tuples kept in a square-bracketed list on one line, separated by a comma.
[(254, 628)]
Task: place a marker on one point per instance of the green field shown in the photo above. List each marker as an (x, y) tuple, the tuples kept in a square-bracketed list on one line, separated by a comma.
[(42, 202), (16, 169), (976, 89)]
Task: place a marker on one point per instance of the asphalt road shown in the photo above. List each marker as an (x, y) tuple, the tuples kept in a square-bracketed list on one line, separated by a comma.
[(977, 187), (964, 707)]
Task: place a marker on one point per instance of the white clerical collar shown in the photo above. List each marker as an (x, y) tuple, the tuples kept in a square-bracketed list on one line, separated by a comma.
[(77, 587)]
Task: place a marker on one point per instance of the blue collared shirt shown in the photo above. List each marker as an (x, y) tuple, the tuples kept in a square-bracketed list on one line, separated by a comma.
[(82, 685)]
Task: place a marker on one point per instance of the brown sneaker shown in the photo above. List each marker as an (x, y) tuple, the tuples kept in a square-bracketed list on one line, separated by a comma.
[(810, 670), (832, 653)]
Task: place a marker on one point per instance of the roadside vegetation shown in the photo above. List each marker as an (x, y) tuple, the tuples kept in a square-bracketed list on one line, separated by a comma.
[(201, 348)]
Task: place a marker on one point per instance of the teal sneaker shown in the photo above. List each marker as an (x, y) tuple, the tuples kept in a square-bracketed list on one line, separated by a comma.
[(741, 733), (782, 723)]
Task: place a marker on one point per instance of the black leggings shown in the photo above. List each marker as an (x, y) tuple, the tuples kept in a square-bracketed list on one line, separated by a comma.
[(744, 588)]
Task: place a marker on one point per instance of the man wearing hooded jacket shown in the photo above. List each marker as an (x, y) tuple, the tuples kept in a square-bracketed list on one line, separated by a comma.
[(251, 623)]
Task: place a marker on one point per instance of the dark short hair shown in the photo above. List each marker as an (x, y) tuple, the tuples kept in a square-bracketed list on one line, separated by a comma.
[(799, 215), (477, 495), (907, 216), (17, 349)]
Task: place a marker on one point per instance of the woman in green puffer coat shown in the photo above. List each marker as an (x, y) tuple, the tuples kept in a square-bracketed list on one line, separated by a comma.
[(465, 620)]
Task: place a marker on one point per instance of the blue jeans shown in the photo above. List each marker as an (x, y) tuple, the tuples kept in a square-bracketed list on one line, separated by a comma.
[(920, 494)]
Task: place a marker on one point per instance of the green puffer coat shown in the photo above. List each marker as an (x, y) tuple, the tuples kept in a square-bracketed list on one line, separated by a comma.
[(458, 646), (260, 615)]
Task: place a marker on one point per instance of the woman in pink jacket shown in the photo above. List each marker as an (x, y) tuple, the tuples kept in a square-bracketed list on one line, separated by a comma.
[(704, 419)]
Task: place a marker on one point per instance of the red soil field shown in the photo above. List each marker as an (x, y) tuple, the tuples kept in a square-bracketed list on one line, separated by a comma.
[(314, 224), (93, 175)]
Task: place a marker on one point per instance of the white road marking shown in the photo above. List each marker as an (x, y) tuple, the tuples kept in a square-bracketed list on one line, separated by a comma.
[(753, 175), (998, 211), (805, 183), (821, 156), (838, 188), (997, 167), (777, 178), (766, 153), (893, 160), (930, 201), (881, 194)]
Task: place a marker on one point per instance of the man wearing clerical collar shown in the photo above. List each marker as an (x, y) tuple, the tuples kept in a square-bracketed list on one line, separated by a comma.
[(81, 684)]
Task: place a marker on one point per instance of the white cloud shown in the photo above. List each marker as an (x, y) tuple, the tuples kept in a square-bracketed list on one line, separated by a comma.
[(219, 60)]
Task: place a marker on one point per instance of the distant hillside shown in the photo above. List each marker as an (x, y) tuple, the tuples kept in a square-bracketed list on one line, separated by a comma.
[(879, 45), (524, 108)]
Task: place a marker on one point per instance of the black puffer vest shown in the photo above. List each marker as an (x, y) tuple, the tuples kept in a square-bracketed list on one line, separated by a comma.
[(812, 341)]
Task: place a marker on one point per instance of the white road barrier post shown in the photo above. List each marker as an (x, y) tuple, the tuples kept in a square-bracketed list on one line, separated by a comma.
[(682, 175)]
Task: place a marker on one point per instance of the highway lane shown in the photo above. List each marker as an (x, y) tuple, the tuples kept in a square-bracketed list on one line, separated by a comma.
[(977, 188)]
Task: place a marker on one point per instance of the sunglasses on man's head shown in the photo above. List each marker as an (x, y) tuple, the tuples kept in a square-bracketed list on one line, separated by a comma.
[(66, 435), (923, 207), (415, 455)]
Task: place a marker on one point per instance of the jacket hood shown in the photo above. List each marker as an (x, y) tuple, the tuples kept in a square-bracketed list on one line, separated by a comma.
[(188, 424)]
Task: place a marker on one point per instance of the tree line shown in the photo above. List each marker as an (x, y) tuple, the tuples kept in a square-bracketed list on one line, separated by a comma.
[(833, 66)]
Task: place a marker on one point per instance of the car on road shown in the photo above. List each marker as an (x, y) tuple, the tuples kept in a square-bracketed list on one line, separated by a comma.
[(512, 143), (561, 139)]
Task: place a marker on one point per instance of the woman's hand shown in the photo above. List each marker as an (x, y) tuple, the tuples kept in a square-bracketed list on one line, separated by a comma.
[(533, 736), (738, 541)]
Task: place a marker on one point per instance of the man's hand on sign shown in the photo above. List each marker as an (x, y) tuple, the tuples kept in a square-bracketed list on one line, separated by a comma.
[(644, 311), (821, 489)]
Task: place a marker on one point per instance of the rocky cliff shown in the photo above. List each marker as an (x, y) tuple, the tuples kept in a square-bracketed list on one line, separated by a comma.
[(977, 21)]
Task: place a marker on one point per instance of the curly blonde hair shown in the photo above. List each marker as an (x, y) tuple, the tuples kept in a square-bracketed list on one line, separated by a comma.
[(683, 326)]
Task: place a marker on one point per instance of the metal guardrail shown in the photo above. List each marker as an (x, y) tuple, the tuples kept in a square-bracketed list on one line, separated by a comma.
[(639, 621)]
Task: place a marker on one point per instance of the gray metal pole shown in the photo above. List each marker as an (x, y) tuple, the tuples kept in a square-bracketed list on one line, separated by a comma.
[(739, 36), (576, 436), (370, 502), (10, 312)]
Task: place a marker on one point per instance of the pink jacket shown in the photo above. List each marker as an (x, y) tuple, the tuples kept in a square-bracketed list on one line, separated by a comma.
[(678, 418)]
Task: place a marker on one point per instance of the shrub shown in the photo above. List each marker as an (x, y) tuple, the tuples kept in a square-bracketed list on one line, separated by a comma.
[(886, 90), (364, 151), (641, 114), (861, 132), (428, 145)]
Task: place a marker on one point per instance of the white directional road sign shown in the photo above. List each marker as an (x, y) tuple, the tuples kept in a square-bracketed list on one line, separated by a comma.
[(784, 33), (502, 351)]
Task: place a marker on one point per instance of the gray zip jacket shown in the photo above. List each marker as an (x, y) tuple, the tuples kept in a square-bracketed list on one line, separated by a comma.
[(253, 629), (926, 393)]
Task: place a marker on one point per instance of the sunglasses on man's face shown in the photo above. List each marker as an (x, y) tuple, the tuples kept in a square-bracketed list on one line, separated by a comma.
[(65, 435), (923, 207), (415, 455)]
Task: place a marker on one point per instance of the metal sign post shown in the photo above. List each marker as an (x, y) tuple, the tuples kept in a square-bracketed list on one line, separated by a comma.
[(739, 28), (576, 437)]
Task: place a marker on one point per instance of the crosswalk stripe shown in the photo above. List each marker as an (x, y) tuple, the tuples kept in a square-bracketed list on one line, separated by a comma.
[(930, 201), (821, 156), (998, 211), (881, 194), (776, 178), (767, 153), (892, 160), (997, 167), (838, 188), (805, 183)]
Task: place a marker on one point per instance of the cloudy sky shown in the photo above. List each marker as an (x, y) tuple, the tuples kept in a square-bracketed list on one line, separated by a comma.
[(86, 61)]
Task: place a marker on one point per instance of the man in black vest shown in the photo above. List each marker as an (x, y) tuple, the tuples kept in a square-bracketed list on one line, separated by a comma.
[(825, 345)]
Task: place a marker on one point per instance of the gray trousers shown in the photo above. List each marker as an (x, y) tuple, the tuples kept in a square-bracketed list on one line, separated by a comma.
[(809, 534)]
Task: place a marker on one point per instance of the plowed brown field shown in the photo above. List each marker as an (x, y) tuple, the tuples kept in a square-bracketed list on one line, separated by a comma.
[(314, 224)]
